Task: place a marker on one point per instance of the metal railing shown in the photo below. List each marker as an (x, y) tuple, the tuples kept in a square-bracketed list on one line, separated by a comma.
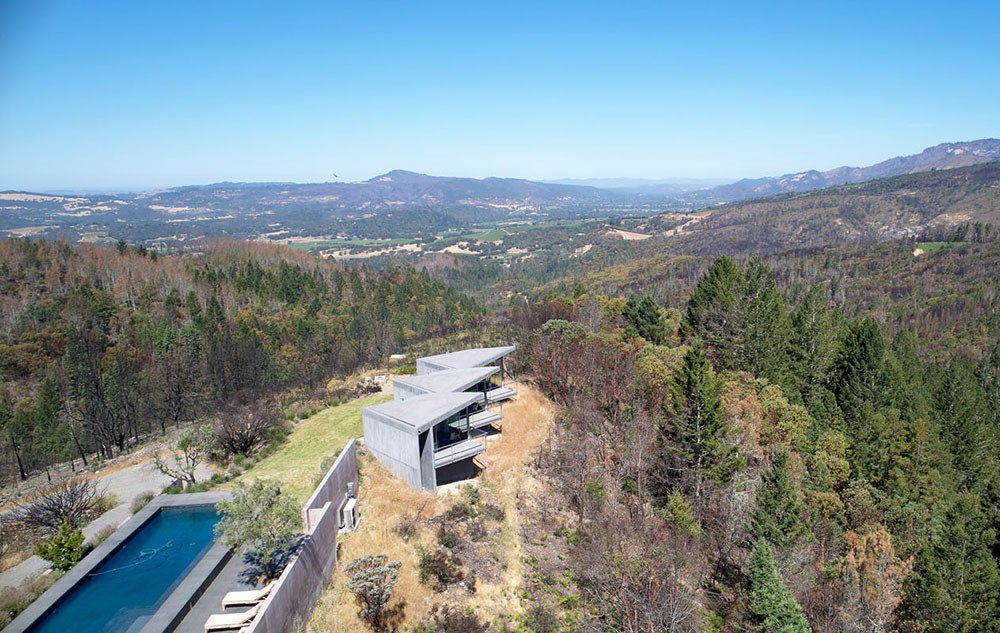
[(476, 436)]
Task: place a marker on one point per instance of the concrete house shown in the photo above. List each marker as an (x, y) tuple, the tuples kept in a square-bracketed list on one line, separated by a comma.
[(500, 384), (430, 438), (473, 380)]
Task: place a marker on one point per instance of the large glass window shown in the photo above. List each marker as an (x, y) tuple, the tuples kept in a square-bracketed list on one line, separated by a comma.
[(451, 431)]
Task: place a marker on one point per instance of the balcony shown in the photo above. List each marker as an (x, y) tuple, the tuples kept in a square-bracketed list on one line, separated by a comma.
[(464, 449), (483, 418)]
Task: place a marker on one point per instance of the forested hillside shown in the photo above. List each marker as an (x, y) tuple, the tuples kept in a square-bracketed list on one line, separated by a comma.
[(948, 297), (102, 346), (951, 204), (747, 463)]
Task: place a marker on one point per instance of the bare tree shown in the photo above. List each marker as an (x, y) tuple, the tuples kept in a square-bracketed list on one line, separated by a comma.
[(193, 447), (244, 429), (69, 503)]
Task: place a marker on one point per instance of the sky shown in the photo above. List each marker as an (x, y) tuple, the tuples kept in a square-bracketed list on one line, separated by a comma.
[(131, 95)]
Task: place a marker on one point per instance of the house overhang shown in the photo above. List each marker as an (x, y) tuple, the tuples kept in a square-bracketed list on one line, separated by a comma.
[(419, 413)]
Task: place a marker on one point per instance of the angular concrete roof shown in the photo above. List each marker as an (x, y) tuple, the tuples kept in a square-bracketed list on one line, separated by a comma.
[(448, 380), (469, 357), (421, 412)]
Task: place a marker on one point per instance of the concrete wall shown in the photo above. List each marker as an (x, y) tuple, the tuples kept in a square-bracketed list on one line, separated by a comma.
[(401, 391), (425, 366), (290, 604), (397, 449), (333, 487)]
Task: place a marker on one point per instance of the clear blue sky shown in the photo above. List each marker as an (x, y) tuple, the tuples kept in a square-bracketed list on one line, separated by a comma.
[(138, 94)]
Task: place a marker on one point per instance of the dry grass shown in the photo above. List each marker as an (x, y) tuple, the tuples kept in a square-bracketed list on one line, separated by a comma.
[(386, 500)]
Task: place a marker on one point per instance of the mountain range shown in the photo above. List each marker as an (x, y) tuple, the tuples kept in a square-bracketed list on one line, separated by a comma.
[(404, 204), (943, 156), (945, 204)]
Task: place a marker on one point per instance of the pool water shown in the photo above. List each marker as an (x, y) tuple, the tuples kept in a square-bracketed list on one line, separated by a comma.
[(131, 583)]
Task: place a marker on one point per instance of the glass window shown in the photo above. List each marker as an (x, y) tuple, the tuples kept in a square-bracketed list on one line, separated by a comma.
[(451, 431)]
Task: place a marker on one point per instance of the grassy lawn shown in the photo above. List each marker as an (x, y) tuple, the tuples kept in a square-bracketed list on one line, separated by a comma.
[(296, 462), (930, 247)]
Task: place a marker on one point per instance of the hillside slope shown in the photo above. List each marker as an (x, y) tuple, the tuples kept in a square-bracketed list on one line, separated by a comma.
[(938, 157), (933, 203)]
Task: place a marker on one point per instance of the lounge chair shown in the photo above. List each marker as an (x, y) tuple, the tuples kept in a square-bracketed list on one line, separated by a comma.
[(253, 596), (224, 621)]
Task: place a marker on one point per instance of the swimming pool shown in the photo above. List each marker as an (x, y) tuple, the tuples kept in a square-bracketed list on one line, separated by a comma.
[(126, 583)]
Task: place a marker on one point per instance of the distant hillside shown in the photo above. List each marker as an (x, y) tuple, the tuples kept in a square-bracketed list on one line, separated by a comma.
[(932, 204), (378, 207), (396, 189), (665, 186), (943, 156), (407, 205)]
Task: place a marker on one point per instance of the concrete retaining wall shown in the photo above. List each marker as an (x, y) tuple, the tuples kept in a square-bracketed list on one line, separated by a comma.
[(333, 486), (290, 604)]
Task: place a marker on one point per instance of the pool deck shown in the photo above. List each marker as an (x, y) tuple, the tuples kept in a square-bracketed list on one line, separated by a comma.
[(228, 579)]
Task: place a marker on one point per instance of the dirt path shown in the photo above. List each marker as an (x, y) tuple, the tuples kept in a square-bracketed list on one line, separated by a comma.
[(127, 484)]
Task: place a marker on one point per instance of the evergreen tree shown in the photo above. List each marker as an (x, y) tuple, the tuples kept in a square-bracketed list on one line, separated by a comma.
[(906, 377), (644, 319), (859, 376), (776, 516), (813, 342), (711, 314), (765, 329), (965, 415), (957, 578), (694, 441), (771, 606)]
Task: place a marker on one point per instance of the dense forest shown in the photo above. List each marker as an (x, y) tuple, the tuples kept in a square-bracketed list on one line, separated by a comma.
[(743, 462), (100, 347), (805, 442)]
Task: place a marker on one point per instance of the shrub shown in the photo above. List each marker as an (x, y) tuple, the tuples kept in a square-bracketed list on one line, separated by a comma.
[(15, 600), (372, 579), (141, 500), (450, 619), (64, 550), (439, 570), (446, 538), (261, 522), (101, 536), (104, 503), (407, 526), (541, 619), (243, 430), (493, 512)]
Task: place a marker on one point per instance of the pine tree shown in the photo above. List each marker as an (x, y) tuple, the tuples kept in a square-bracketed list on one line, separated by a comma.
[(694, 441), (813, 341), (644, 319), (711, 314), (860, 376), (765, 329), (772, 607), (776, 516)]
